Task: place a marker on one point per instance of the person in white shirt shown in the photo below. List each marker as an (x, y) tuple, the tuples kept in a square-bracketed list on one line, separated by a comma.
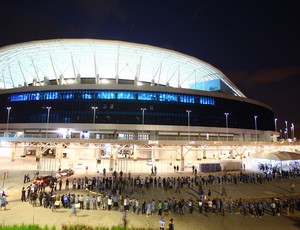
[(161, 224)]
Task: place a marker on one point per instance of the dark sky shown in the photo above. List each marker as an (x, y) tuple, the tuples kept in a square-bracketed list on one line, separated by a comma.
[(255, 43)]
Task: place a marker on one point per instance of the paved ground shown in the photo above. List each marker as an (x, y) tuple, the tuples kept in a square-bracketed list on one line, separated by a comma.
[(22, 212)]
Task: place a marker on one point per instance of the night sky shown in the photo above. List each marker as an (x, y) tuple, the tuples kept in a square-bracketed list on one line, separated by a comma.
[(256, 44)]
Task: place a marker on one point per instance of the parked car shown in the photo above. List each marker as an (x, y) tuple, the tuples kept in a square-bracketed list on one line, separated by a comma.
[(44, 180), (65, 172)]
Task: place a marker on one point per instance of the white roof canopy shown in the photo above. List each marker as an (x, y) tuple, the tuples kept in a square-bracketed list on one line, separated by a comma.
[(67, 59)]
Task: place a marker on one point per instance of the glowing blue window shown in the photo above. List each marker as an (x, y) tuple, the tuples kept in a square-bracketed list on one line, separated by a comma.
[(68, 96), (125, 95), (87, 96)]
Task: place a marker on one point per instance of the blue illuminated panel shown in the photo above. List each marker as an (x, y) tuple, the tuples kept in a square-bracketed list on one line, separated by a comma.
[(112, 95)]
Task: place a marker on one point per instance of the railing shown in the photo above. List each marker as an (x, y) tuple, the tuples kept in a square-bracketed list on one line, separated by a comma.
[(190, 139)]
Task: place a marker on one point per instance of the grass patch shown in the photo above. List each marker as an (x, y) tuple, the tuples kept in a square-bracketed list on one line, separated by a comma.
[(66, 227)]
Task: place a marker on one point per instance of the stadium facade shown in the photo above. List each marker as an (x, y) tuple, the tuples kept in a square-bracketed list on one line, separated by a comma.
[(99, 92)]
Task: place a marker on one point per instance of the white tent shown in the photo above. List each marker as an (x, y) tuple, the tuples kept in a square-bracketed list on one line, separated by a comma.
[(278, 155)]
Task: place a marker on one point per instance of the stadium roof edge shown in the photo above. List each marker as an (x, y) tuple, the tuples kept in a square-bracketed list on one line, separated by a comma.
[(21, 63)]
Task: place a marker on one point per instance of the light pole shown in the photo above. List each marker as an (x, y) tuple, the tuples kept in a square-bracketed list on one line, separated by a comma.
[(143, 121), (275, 121), (255, 117), (8, 113), (287, 132), (94, 117), (188, 112), (48, 114), (292, 131), (226, 116), (280, 133)]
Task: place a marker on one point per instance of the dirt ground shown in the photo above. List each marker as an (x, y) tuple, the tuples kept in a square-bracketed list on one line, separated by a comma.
[(18, 212)]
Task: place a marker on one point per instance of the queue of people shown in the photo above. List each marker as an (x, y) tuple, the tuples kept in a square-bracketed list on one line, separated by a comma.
[(106, 193)]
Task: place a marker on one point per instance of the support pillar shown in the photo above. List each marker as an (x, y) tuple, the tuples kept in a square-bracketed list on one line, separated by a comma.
[(152, 154), (111, 163), (116, 162), (181, 159)]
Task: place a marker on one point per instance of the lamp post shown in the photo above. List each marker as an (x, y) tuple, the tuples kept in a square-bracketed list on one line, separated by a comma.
[(286, 128), (94, 117), (188, 112), (275, 122), (280, 133), (48, 114), (226, 116), (8, 113), (285, 134), (255, 118), (292, 131), (143, 121)]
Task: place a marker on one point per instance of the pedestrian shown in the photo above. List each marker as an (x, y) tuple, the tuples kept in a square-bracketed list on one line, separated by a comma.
[(224, 191), (171, 224), (209, 193), (124, 218), (27, 178), (161, 224), (3, 201), (292, 187), (23, 195), (94, 202), (191, 205), (73, 209), (160, 208)]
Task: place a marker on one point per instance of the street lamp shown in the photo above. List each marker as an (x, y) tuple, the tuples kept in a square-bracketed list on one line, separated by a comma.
[(255, 117), (188, 112), (285, 134), (275, 121), (281, 134), (286, 128), (143, 121), (226, 116), (94, 117), (8, 113), (292, 131), (48, 113)]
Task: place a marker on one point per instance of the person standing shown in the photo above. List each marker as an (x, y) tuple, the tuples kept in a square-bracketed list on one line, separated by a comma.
[(161, 224), (23, 195), (191, 205), (209, 193), (224, 191), (94, 202), (67, 184), (3, 201), (160, 208), (292, 187), (171, 224), (73, 207), (124, 218)]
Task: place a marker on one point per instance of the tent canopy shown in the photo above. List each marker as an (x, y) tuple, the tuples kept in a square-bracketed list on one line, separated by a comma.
[(278, 155)]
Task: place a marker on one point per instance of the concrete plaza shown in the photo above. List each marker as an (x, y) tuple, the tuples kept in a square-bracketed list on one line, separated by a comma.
[(18, 212)]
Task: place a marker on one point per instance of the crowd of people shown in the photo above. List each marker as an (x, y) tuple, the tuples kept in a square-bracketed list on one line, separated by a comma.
[(107, 193)]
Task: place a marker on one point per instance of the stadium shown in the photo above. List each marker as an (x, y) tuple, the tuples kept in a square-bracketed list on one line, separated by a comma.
[(100, 103)]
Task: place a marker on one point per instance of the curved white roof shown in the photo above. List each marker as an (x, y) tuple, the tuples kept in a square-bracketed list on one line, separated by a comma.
[(66, 60)]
